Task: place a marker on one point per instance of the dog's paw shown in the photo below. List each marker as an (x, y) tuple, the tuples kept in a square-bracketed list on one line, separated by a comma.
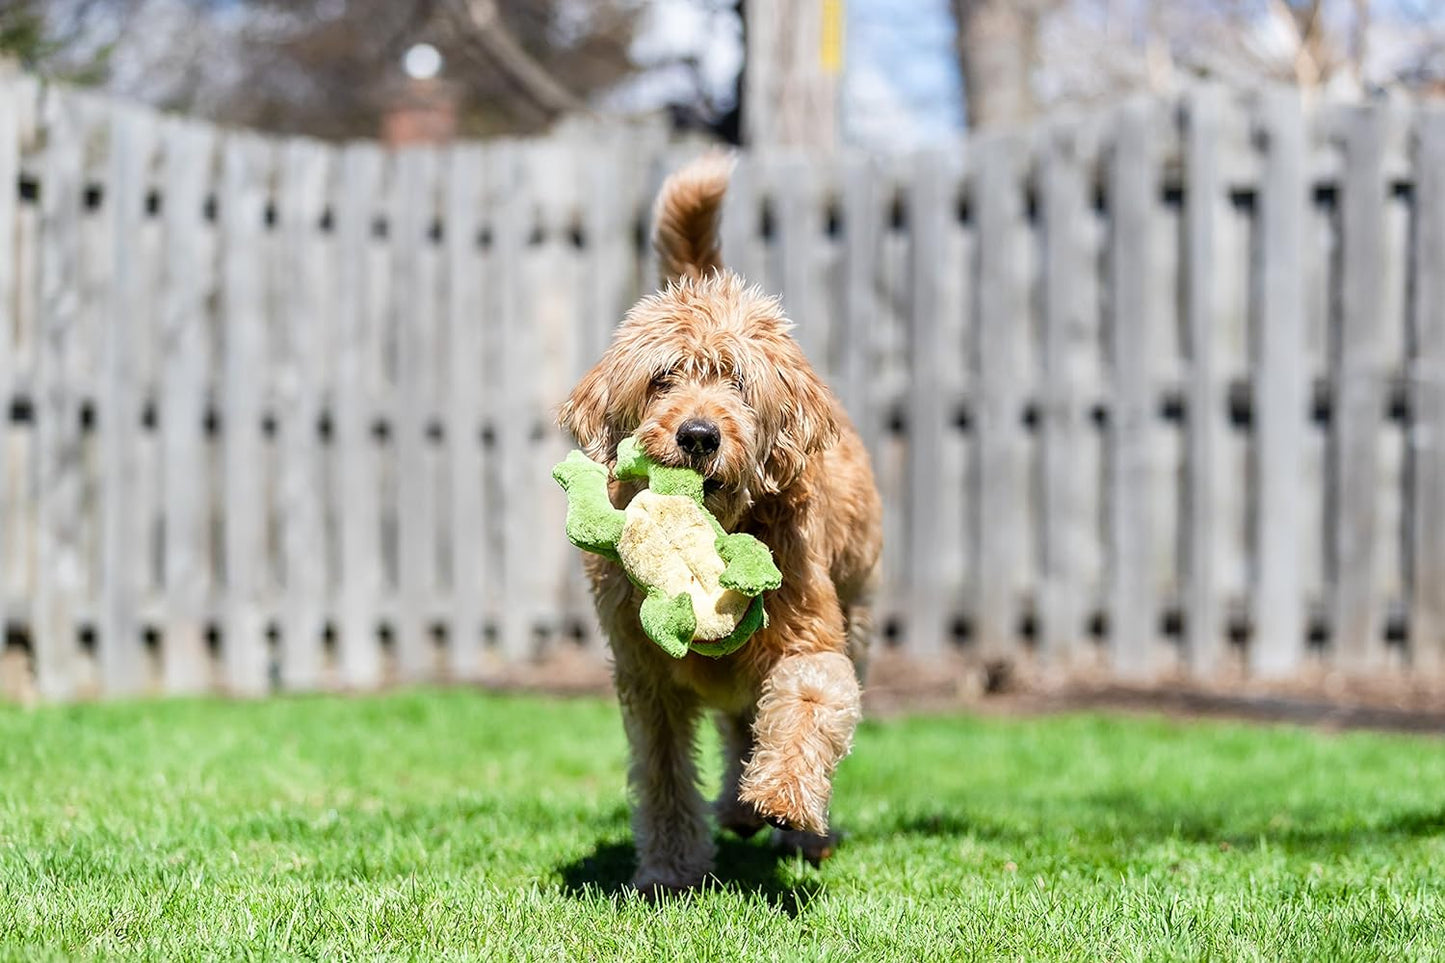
[(787, 800), (657, 884), (812, 847)]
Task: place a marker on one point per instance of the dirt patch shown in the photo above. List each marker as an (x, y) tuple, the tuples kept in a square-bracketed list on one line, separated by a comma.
[(898, 685), (1390, 700)]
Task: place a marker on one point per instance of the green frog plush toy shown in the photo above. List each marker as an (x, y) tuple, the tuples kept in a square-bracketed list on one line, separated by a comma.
[(703, 585)]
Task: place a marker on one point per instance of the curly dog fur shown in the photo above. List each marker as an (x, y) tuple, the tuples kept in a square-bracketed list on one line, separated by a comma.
[(706, 372)]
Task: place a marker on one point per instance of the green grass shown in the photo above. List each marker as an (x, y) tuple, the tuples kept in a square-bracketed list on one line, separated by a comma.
[(455, 823)]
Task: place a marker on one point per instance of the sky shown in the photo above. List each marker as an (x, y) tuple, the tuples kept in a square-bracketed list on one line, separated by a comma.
[(901, 79)]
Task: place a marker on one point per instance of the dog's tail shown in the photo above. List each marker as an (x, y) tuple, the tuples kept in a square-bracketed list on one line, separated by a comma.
[(685, 221)]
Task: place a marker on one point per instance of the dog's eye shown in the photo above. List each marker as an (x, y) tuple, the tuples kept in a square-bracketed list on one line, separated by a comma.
[(660, 382), (737, 383)]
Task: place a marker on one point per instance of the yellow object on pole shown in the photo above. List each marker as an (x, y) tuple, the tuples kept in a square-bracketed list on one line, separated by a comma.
[(830, 52)]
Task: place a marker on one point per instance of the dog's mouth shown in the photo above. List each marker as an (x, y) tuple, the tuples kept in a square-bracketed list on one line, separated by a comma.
[(717, 477)]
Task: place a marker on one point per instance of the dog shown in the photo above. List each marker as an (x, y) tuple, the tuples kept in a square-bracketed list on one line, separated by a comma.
[(706, 373)]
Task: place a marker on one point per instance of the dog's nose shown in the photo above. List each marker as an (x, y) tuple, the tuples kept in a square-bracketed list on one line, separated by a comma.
[(698, 437)]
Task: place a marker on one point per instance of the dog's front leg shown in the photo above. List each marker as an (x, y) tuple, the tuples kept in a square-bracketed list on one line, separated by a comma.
[(806, 716), (669, 817), (734, 815)]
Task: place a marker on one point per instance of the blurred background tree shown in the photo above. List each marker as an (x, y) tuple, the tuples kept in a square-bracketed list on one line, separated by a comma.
[(883, 73), (328, 67), (1018, 57), (998, 45), (22, 31), (37, 34)]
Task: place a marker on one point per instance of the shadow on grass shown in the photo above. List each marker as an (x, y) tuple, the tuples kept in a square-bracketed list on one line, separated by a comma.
[(747, 868), (1112, 818)]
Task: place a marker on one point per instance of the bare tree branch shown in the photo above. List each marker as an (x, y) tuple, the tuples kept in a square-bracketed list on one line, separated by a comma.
[(489, 33)]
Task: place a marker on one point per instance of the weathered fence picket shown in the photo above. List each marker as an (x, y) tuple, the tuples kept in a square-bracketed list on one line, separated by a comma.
[(414, 320), (1131, 192), (888, 391), (186, 173), (925, 419), (469, 561), (354, 422), (57, 406), (1357, 395), (123, 661), (859, 309), (302, 201), (1068, 333), (518, 489), (245, 182), (1427, 396), (9, 324), (1279, 392), (1203, 201), (1162, 385)]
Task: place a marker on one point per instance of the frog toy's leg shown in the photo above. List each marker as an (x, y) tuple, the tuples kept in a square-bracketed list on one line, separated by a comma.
[(592, 523), (670, 622), (750, 568), (753, 620)]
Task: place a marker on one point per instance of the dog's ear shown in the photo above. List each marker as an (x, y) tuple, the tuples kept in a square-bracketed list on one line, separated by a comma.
[(584, 414), (807, 424), (606, 406)]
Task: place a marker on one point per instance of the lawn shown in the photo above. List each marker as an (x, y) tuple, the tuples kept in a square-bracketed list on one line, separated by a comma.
[(460, 824)]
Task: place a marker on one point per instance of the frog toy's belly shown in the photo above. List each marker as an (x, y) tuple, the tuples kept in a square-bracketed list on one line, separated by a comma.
[(667, 543)]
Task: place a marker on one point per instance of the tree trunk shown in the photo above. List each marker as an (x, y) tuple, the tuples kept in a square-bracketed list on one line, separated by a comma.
[(998, 46), (791, 82)]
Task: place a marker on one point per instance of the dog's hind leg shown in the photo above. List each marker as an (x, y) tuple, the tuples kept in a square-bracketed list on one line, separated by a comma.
[(669, 818), (857, 600), (806, 717), (734, 815), (858, 621)]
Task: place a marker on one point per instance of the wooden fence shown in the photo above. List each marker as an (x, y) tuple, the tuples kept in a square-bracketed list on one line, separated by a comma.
[(1156, 392)]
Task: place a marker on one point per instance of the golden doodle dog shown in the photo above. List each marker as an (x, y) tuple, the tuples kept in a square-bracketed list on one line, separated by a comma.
[(706, 373)]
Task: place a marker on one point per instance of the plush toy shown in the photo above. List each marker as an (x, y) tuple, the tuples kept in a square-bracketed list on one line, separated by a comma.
[(704, 586)]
